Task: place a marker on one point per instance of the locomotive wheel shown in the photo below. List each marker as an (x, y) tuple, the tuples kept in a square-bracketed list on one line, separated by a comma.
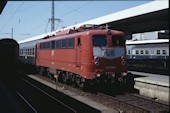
[(49, 75), (129, 85), (82, 83), (43, 71), (40, 70)]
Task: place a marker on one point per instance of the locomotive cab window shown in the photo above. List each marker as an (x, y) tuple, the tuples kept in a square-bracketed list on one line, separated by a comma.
[(99, 40), (117, 41)]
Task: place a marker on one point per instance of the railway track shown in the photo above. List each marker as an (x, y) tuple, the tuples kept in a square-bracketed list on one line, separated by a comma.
[(129, 103), (124, 103), (39, 98)]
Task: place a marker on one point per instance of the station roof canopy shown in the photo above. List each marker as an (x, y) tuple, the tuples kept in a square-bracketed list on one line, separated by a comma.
[(152, 16), (2, 5)]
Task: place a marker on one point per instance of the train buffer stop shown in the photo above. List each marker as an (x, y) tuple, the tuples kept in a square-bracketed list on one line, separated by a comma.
[(153, 85)]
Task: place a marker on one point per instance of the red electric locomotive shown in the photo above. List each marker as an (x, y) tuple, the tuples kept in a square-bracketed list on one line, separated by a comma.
[(84, 55)]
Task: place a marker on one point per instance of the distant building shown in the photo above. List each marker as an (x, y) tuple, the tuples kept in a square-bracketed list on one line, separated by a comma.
[(164, 34)]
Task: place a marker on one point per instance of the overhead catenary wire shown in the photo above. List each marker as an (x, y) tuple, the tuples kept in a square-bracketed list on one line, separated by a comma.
[(77, 9), (73, 10), (11, 17)]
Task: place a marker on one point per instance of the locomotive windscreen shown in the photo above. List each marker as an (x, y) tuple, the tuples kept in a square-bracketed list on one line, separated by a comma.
[(118, 41), (99, 40)]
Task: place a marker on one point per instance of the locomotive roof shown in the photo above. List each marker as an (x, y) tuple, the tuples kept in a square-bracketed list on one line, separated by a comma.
[(81, 32), (147, 41)]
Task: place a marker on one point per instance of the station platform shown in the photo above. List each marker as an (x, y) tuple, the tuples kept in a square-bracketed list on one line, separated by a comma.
[(77, 96), (152, 85)]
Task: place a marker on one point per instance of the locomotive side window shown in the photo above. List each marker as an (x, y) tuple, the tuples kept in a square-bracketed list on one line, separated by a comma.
[(71, 42), (48, 45), (44, 45), (58, 44), (99, 40), (64, 43), (117, 41), (41, 45), (52, 44)]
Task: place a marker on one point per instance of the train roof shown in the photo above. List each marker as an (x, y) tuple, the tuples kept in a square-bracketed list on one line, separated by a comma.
[(147, 41), (64, 32)]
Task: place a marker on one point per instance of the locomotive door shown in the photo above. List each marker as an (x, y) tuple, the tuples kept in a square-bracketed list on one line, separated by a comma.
[(78, 53)]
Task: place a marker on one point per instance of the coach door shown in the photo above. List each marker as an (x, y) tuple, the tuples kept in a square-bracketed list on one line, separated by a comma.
[(78, 53), (36, 54)]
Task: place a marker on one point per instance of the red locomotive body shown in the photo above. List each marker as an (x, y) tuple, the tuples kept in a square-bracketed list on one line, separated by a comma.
[(83, 55)]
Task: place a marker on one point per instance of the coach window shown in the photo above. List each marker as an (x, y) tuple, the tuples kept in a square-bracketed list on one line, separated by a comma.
[(164, 52), (27, 51), (158, 52), (21, 51), (33, 51), (137, 52), (30, 51), (71, 42), (146, 52), (129, 52), (141, 51)]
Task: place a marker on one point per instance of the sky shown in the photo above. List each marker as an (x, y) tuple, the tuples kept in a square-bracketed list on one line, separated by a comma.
[(31, 18)]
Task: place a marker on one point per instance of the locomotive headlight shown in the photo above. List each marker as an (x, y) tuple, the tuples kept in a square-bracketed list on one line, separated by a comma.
[(98, 75), (96, 58), (123, 62), (97, 63), (122, 57)]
